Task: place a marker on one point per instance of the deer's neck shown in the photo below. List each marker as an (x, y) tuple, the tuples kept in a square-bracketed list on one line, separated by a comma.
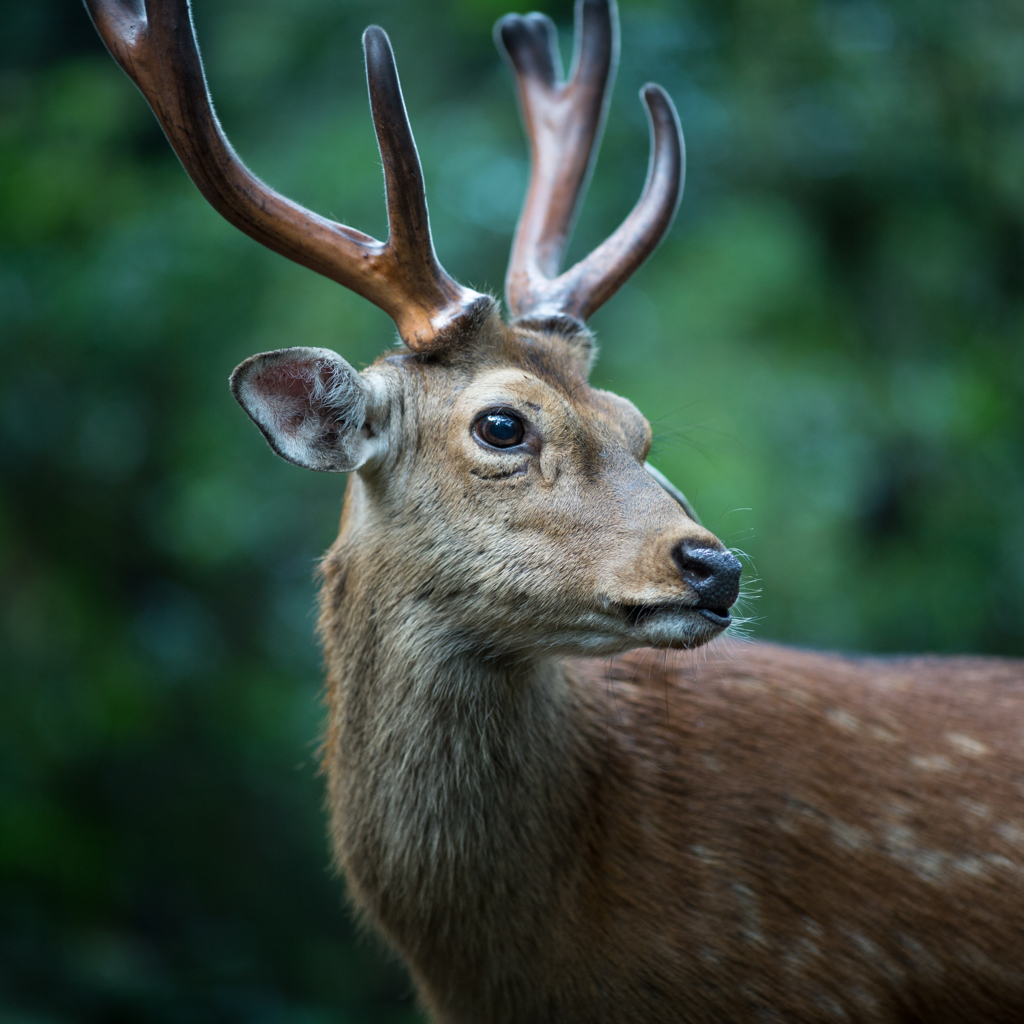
[(457, 781)]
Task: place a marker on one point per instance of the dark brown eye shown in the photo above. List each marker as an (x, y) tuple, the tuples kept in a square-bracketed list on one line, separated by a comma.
[(500, 429)]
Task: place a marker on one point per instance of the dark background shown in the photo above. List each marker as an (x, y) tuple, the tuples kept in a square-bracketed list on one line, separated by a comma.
[(830, 345)]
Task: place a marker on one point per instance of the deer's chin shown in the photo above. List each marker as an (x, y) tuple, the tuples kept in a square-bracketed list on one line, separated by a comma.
[(624, 627), (674, 624)]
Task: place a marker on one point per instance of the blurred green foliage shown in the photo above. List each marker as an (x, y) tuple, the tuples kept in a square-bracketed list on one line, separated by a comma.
[(830, 345)]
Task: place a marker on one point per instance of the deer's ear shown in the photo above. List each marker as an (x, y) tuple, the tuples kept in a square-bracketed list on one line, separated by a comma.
[(310, 404)]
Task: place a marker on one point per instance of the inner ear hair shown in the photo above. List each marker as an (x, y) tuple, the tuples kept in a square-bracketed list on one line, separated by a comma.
[(310, 405)]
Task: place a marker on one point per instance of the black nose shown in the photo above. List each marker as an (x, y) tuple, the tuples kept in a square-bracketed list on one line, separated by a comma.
[(713, 575)]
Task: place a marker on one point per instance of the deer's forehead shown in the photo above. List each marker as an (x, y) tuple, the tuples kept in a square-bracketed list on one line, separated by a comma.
[(510, 386)]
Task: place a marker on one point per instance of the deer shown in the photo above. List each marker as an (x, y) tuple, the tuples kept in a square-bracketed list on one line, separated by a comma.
[(555, 786)]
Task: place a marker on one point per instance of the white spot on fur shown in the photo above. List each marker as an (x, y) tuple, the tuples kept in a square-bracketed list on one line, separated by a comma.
[(849, 837), (928, 865), (842, 719), (967, 745), (997, 860), (787, 825), (932, 763), (970, 865), (751, 911), (802, 953), (748, 684), (870, 949), (798, 695), (975, 809), (791, 823), (882, 735), (1011, 833), (831, 1007)]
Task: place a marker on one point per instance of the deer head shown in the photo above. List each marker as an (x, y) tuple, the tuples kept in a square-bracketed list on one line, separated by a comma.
[(491, 483)]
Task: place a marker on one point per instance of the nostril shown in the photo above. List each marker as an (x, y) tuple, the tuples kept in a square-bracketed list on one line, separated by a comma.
[(714, 576), (693, 566)]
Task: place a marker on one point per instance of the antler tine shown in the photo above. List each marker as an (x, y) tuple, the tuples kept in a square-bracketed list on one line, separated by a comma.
[(563, 124), (443, 301), (154, 42), (590, 283)]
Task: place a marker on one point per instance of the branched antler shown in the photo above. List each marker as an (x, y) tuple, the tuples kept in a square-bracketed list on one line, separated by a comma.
[(154, 41), (563, 121)]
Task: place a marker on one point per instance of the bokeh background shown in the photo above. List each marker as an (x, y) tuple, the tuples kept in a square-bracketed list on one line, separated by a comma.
[(830, 345)]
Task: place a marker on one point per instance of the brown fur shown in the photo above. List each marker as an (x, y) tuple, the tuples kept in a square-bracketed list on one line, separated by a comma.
[(746, 834), (740, 833)]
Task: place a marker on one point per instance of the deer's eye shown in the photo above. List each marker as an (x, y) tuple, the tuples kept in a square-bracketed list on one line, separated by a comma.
[(499, 429)]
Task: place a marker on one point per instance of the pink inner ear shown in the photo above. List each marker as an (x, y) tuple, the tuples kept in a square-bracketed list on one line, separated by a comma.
[(289, 391), (288, 380)]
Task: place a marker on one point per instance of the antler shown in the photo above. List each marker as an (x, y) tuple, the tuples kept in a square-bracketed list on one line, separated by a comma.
[(154, 41), (563, 122)]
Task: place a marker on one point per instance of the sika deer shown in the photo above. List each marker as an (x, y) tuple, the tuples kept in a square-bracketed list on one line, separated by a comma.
[(545, 826)]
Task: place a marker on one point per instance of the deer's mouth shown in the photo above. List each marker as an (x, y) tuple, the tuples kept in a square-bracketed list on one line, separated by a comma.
[(640, 614)]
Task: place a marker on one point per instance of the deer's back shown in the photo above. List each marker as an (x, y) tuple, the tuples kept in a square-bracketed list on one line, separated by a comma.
[(783, 825)]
